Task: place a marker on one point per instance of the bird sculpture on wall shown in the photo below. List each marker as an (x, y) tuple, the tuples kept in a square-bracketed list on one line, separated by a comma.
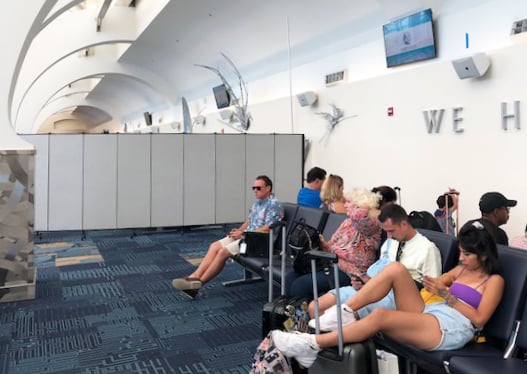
[(241, 118), (333, 119)]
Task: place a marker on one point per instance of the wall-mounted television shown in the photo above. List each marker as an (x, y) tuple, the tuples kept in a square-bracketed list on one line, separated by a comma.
[(221, 94), (148, 118), (409, 39)]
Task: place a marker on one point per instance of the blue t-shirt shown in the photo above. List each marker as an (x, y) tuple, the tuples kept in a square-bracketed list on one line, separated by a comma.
[(308, 197)]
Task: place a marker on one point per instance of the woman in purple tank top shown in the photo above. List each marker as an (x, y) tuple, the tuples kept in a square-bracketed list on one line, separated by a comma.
[(471, 292)]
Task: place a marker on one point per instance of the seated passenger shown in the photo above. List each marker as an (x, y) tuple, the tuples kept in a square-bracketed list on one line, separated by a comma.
[(310, 195), (354, 243), (332, 194), (265, 211), (471, 292), (519, 241), (405, 245)]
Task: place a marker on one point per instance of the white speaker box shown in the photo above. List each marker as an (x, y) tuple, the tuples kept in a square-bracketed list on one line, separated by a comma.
[(472, 66), (307, 98)]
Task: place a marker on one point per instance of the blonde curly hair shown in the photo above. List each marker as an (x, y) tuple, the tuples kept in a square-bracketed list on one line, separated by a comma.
[(364, 198)]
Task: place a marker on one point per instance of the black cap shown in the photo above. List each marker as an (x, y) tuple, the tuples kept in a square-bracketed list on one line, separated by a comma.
[(493, 200)]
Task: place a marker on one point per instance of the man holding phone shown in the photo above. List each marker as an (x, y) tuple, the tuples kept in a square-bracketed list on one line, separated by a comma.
[(404, 244)]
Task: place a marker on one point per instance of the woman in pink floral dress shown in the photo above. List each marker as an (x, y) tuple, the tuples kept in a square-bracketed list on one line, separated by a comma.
[(354, 243)]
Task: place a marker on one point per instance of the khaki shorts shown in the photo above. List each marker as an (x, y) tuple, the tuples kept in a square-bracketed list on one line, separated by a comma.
[(233, 246)]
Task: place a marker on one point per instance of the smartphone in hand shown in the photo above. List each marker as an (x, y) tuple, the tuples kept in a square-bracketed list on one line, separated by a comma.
[(355, 276)]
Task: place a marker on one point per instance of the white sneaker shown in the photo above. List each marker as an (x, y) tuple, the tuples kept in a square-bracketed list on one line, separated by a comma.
[(301, 346), (329, 321)]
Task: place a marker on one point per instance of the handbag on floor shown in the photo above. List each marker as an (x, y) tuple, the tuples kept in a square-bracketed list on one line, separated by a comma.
[(269, 359)]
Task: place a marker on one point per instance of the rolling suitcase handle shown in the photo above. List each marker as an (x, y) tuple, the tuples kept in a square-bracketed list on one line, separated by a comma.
[(281, 224), (332, 258)]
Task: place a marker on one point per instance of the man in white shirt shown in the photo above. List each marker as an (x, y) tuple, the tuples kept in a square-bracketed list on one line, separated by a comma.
[(404, 244)]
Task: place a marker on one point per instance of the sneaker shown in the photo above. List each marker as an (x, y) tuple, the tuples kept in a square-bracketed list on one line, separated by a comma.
[(301, 346), (329, 321), (186, 283)]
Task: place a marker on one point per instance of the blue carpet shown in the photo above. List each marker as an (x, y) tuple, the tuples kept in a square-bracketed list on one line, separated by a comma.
[(121, 314)]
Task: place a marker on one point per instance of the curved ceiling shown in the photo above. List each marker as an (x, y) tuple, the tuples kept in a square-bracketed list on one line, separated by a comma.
[(143, 56)]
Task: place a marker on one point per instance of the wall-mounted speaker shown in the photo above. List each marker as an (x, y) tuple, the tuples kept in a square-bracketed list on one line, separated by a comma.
[(307, 98), (472, 66)]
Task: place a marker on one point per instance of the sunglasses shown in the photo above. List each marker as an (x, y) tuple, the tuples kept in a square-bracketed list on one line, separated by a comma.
[(257, 188)]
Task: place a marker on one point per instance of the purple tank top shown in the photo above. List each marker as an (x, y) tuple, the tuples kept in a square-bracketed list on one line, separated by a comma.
[(467, 294)]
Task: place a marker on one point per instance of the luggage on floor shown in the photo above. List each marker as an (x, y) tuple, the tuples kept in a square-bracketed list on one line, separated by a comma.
[(356, 358), (283, 312)]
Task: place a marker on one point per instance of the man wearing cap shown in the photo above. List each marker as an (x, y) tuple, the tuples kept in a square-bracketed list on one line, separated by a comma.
[(494, 209)]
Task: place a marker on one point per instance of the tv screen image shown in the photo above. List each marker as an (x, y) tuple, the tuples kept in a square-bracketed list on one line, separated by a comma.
[(223, 99), (409, 39)]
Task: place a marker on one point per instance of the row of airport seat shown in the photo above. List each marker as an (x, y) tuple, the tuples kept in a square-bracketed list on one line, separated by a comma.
[(509, 318)]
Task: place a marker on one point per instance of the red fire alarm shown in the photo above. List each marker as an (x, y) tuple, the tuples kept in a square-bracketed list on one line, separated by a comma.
[(390, 111)]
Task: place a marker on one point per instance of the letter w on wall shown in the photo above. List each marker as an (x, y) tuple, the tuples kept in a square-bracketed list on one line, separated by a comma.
[(433, 119)]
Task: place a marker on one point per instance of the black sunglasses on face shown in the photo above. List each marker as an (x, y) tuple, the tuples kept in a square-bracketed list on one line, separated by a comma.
[(257, 188)]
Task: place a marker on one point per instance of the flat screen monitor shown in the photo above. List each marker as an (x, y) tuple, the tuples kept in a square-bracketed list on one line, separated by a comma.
[(223, 99), (409, 39), (148, 118)]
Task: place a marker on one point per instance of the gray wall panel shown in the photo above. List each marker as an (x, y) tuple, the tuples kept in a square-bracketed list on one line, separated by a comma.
[(259, 157), (230, 179), (133, 181), (199, 182), (167, 180), (288, 166), (100, 181), (65, 182), (41, 143)]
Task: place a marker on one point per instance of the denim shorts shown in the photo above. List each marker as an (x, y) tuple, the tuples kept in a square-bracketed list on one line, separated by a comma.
[(456, 329), (386, 302)]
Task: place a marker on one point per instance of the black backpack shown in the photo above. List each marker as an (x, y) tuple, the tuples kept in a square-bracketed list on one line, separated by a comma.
[(303, 238), (423, 220)]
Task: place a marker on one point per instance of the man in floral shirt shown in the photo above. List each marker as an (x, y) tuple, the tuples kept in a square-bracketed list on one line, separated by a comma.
[(265, 211)]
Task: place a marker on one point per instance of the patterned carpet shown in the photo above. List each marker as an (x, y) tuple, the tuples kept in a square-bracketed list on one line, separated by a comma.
[(106, 305)]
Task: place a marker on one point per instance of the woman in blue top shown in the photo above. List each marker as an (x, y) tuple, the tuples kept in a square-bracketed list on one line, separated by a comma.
[(471, 292)]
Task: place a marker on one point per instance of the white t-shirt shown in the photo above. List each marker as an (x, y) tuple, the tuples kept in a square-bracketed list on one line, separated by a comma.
[(418, 253)]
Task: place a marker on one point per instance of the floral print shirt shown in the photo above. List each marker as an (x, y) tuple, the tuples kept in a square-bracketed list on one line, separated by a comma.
[(265, 212), (355, 242)]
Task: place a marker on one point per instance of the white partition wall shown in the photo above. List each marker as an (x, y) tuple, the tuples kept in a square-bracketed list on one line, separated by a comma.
[(100, 182), (133, 181), (288, 167), (260, 160), (199, 182), (107, 181), (167, 180), (65, 182), (41, 143), (230, 179)]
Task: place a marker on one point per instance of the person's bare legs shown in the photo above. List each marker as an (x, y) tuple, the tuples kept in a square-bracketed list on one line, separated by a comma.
[(418, 329), (394, 276), (209, 258), (324, 302), (216, 265)]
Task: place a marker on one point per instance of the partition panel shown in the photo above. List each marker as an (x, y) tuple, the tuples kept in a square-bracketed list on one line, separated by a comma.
[(230, 179), (167, 180), (199, 179), (41, 144), (65, 182), (100, 182), (288, 166), (133, 180), (259, 156)]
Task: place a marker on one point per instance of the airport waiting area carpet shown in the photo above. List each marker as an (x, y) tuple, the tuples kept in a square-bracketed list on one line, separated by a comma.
[(106, 305)]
